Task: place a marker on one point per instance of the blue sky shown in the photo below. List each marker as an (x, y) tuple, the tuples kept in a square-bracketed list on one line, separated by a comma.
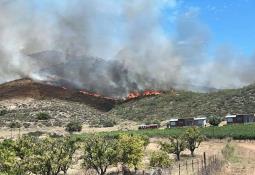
[(230, 22)]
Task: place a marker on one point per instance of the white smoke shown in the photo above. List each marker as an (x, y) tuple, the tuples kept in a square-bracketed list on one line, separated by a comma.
[(137, 51)]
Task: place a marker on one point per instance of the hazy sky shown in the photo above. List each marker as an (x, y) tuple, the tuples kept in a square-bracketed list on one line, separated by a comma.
[(229, 22), (159, 43)]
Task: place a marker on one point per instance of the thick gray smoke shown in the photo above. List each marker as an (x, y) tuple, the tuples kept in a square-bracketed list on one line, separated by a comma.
[(113, 47)]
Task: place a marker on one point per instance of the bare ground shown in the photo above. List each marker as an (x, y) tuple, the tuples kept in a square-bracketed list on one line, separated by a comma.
[(244, 160)]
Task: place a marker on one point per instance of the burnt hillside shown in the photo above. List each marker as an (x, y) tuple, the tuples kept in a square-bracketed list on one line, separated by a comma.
[(27, 88)]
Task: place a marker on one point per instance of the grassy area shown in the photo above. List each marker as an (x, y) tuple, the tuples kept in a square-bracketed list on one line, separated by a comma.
[(233, 131)]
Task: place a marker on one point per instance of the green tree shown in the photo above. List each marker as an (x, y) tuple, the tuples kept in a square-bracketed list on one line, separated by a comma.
[(7, 157), (52, 156), (100, 153), (130, 149), (176, 146), (214, 120), (31, 155), (160, 159), (193, 139)]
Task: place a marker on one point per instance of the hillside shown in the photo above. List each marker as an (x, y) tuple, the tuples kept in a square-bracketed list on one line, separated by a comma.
[(22, 100), (27, 88), (183, 104)]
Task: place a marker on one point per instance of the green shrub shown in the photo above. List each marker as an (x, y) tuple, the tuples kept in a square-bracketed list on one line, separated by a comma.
[(160, 159), (14, 125), (155, 121), (43, 116), (214, 120), (103, 122), (26, 125), (3, 112), (74, 126)]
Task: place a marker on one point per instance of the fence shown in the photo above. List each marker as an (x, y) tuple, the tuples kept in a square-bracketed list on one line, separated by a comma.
[(199, 166)]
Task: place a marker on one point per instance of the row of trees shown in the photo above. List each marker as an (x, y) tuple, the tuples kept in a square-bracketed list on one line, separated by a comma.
[(52, 156)]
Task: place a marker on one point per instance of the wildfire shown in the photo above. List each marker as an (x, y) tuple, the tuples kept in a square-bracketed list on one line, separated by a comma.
[(89, 93), (132, 95)]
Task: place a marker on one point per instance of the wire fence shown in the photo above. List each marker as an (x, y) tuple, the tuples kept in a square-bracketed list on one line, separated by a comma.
[(202, 165), (198, 166)]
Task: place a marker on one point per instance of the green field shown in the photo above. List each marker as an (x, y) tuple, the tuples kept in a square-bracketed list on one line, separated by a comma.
[(237, 132)]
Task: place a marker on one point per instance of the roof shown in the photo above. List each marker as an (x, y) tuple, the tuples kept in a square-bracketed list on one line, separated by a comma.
[(230, 116), (200, 118), (173, 119)]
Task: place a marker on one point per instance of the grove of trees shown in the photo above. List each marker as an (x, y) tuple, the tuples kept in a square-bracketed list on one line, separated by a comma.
[(55, 155)]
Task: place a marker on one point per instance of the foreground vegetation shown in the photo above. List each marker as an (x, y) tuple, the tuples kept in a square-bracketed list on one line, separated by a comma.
[(55, 155), (239, 131)]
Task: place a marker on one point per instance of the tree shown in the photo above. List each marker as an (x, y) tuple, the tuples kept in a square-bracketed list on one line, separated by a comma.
[(130, 149), (193, 139), (214, 120), (176, 146), (74, 126), (31, 155), (52, 156), (7, 157), (160, 159), (99, 153)]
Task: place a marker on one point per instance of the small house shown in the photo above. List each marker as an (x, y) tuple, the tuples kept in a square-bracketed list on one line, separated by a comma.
[(151, 126), (240, 118), (172, 123), (200, 121), (186, 122)]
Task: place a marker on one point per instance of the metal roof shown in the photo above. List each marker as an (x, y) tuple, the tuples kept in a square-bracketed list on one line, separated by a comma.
[(200, 118), (173, 119), (230, 116)]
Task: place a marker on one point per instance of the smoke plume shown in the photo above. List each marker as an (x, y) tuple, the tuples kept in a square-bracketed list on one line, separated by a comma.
[(114, 47)]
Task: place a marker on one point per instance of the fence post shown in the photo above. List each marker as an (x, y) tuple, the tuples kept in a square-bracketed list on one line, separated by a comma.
[(204, 160), (187, 166), (179, 169), (198, 168), (192, 162)]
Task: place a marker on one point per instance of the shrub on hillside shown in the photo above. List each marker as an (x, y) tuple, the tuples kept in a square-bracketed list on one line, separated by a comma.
[(74, 126), (103, 122), (14, 125), (3, 112), (26, 125), (42, 116), (149, 122)]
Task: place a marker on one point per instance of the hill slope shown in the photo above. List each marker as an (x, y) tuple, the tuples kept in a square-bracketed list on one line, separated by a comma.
[(27, 88), (183, 104)]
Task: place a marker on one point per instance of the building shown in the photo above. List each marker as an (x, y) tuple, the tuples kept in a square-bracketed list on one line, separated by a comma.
[(240, 118), (172, 123), (151, 126), (186, 122), (200, 121)]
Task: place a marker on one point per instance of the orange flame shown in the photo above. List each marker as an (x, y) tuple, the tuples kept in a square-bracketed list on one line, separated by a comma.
[(132, 95)]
